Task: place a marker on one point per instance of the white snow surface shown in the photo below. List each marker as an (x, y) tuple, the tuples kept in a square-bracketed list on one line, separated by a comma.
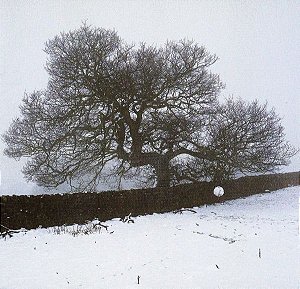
[(245, 243)]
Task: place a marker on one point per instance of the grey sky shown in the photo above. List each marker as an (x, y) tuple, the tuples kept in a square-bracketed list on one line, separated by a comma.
[(257, 43)]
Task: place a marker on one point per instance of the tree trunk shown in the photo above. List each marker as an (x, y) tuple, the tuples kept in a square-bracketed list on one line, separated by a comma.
[(162, 170)]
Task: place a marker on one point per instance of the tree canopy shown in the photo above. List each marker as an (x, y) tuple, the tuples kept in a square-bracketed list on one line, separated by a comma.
[(141, 107)]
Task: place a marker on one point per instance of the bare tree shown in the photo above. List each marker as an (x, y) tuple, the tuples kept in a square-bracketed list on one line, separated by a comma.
[(246, 137), (143, 106)]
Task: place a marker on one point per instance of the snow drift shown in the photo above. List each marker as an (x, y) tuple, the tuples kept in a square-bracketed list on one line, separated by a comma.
[(245, 243)]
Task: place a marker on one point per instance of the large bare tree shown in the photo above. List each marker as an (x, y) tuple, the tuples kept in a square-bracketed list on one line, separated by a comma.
[(143, 106)]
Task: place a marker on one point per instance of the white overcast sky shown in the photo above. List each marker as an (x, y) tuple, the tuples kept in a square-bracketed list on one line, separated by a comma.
[(257, 42)]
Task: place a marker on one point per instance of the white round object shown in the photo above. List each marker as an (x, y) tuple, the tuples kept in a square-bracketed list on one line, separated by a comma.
[(218, 191)]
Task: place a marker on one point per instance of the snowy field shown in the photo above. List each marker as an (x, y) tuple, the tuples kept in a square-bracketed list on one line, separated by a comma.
[(245, 243)]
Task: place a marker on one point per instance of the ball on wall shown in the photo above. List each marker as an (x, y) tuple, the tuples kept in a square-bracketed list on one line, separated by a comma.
[(218, 191)]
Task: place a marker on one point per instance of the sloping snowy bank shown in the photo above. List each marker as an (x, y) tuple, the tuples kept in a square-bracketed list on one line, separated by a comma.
[(245, 243)]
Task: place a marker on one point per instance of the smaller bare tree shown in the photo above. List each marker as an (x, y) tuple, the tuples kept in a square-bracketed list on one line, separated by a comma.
[(246, 138)]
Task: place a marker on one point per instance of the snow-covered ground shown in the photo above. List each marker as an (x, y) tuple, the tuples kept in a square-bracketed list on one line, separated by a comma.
[(245, 243)]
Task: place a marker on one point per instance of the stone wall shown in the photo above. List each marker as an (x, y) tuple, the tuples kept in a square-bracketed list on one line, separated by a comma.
[(52, 210)]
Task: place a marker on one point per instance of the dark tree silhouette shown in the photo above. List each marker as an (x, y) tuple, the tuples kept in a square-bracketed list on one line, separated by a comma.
[(143, 106), (246, 138)]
